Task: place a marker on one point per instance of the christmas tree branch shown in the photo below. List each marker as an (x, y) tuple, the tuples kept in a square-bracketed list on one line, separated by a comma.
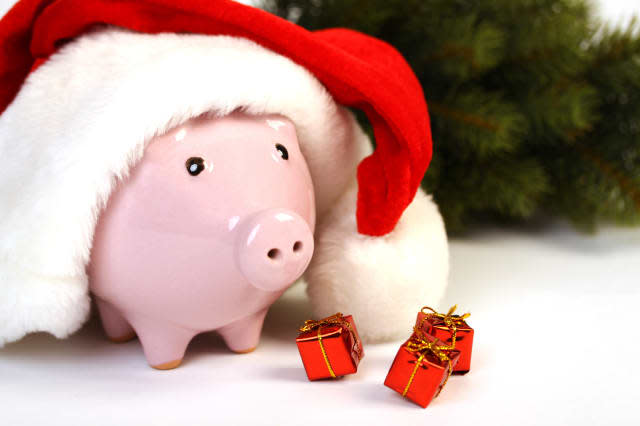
[(463, 117), (625, 183)]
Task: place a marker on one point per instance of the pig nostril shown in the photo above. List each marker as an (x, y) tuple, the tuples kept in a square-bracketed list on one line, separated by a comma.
[(274, 254), (297, 246)]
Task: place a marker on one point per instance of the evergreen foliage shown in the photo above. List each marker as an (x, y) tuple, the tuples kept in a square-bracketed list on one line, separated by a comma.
[(535, 106)]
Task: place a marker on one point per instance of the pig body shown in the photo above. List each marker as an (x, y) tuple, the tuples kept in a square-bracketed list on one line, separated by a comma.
[(210, 228)]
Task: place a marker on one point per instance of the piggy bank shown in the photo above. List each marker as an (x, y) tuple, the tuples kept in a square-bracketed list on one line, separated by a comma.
[(208, 230)]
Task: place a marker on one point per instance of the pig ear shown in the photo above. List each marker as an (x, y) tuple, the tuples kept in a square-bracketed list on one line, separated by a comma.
[(382, 281)]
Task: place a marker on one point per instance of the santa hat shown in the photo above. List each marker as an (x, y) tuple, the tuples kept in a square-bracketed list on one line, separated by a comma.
[(85, 84)]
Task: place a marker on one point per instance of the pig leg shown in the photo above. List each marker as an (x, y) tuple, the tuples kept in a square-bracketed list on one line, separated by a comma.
[(243, 335), (164, 344), (115, 326)]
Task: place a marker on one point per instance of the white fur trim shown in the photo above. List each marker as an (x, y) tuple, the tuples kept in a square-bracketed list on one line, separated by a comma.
[(46, 300), (382, 281), (82, 120)]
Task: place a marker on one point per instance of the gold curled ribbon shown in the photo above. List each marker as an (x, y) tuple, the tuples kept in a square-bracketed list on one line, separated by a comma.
[(418, 343), (451, 321), (337, 319)]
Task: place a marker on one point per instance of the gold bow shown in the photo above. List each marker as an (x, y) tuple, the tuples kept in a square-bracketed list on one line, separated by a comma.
[(451, 321), (337, 319), (419, 344)]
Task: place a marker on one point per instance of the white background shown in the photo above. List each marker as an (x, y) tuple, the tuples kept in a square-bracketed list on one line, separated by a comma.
[(614, 10), (556, 343)]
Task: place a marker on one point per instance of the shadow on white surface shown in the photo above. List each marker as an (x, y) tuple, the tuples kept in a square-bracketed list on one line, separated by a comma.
[(605, 240), (287, 315)]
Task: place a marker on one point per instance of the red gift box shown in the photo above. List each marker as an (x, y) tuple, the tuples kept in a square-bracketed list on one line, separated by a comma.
[(330, 348), (421, 368), (453, 330)]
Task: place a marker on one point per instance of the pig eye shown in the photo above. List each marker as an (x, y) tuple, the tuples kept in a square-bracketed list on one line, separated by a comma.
[(195, 166), (283, 151)]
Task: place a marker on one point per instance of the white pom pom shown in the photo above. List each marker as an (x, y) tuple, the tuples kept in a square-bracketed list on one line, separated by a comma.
[(382, 281)]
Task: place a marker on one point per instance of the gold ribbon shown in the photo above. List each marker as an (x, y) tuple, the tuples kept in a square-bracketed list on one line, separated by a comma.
[(451, 321), (419, 344), (337, 319)]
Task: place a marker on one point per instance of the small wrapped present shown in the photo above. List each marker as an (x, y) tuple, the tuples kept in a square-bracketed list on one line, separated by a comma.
[(330, 348), (421, 368), (453, 330)]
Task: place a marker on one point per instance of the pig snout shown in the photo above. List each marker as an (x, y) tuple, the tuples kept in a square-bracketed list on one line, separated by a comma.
[(274, 248)]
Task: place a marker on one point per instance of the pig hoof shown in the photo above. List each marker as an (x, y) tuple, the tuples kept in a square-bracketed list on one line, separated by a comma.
[(245, 351), (168, 365), (123, 339)]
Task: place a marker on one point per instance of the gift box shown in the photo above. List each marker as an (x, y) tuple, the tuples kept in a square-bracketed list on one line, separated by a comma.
[(330, 348), (421, 368), (452, 329)]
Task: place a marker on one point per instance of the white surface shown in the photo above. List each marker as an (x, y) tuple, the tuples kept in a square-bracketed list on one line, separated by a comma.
[(556, 343)]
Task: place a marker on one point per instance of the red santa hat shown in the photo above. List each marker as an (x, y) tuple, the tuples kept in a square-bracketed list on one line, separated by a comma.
[(85, 84)]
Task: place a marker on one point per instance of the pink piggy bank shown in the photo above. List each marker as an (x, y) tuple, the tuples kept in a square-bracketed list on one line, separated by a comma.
[(210, 228)]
